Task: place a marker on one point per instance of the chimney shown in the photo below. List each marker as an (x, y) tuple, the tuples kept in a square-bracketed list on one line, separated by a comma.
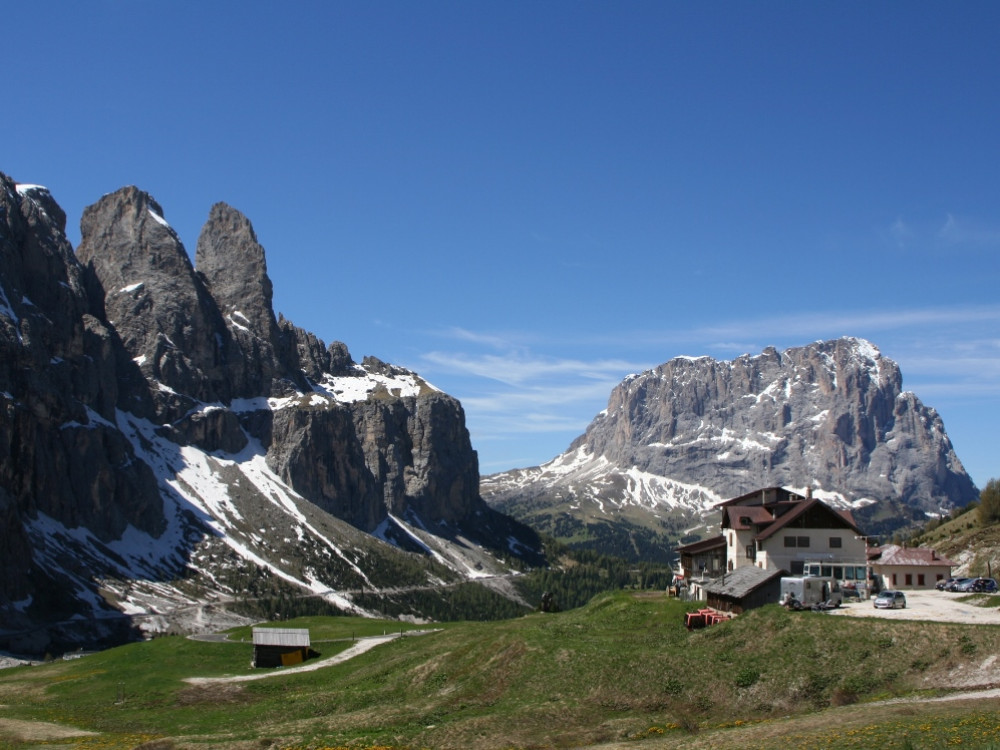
[(809, 493)]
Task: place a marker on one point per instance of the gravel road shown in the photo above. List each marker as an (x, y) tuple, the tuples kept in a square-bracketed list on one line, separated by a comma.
[(937, 606)]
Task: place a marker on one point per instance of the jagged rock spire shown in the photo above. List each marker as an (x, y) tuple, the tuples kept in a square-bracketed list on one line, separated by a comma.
[(152, 296)]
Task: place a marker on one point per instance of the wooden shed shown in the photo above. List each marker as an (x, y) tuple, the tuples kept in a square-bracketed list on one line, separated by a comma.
[(280, 647), (744, 588)]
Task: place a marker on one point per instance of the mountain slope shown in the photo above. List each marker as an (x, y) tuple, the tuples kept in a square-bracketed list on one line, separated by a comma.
[(167, 441), (675, 440)]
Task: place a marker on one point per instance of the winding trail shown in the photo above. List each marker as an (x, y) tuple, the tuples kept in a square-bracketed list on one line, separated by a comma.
[(362, 645)]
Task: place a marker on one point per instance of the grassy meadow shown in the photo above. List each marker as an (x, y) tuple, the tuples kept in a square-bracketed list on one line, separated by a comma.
[(620, 672)]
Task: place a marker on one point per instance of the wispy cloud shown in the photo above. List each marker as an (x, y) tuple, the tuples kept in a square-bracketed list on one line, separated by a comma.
[(519, 395), (521, 368), (962, 231), (900, 232), (954, 232), (810, 326), (543, 396)]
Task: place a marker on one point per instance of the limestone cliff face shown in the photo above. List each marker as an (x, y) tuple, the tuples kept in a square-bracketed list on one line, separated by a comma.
[(831, 415), (61, 379), (123, 366)]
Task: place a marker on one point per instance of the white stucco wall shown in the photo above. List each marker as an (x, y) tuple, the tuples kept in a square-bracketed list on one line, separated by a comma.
[(931, 575)]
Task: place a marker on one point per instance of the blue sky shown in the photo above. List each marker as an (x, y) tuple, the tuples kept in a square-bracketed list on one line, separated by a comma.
[(526, 201)]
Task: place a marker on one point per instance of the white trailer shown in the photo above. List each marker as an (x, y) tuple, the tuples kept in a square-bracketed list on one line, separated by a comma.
[(808, 592)]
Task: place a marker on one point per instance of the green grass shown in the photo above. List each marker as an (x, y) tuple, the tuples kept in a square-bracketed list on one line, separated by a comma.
[(333, 628), (622, 669)]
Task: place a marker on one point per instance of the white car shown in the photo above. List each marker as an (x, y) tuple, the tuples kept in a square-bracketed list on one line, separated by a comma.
[(890, 600)]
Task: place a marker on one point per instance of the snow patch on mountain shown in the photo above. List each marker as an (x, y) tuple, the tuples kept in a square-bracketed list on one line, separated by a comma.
[(140, 573), (594, 480)]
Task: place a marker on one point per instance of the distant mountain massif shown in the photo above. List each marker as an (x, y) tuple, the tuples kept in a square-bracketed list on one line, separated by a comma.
[(830, 417), (167, 443)]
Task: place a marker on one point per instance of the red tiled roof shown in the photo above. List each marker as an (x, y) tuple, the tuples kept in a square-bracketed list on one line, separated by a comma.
[(755, 495), (702, 545), (799, 509), (893, 554), (756, 513)]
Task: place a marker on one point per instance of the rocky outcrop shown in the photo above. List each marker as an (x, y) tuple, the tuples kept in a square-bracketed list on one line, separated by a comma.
[(137, 392)]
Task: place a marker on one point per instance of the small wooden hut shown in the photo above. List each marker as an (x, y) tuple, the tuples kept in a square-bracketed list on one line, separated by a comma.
[(744, 588), (280, 647)]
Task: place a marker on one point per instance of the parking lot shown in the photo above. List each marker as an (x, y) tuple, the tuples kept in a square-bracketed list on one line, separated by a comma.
[(939, 606)]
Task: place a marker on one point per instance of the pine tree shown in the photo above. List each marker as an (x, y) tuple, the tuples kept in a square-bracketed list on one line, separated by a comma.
[(989, 503)]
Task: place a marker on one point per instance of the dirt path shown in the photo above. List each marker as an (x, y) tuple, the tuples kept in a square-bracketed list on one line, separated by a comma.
[(362, 645)]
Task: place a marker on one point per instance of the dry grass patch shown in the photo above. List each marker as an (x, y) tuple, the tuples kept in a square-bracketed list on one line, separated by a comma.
[(224, 693), (39, 731)]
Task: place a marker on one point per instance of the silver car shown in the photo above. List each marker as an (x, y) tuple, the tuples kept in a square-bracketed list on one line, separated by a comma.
[(890, 600)]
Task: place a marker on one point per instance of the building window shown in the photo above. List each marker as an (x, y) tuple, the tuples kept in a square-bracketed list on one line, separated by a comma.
[(836, 542), (894, 580), (920, 579), (909, 579), (751, 552), (796, 541)]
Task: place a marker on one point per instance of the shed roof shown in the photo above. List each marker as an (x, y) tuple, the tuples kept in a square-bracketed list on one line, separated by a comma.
[(297, 637), (742, 581)]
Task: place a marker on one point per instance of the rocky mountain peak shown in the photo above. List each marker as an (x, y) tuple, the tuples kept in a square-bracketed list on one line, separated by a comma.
[(234, 267), (233, 264), (125, 233), (151, 296), (830, 414)]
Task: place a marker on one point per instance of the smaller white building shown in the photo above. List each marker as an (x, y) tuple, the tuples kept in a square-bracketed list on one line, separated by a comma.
[(909, 567)]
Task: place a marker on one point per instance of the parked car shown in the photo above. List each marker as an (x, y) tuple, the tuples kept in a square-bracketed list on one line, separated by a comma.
[(953, 586), (965, 585), (984, 586), (890, 600), (944, 584)]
